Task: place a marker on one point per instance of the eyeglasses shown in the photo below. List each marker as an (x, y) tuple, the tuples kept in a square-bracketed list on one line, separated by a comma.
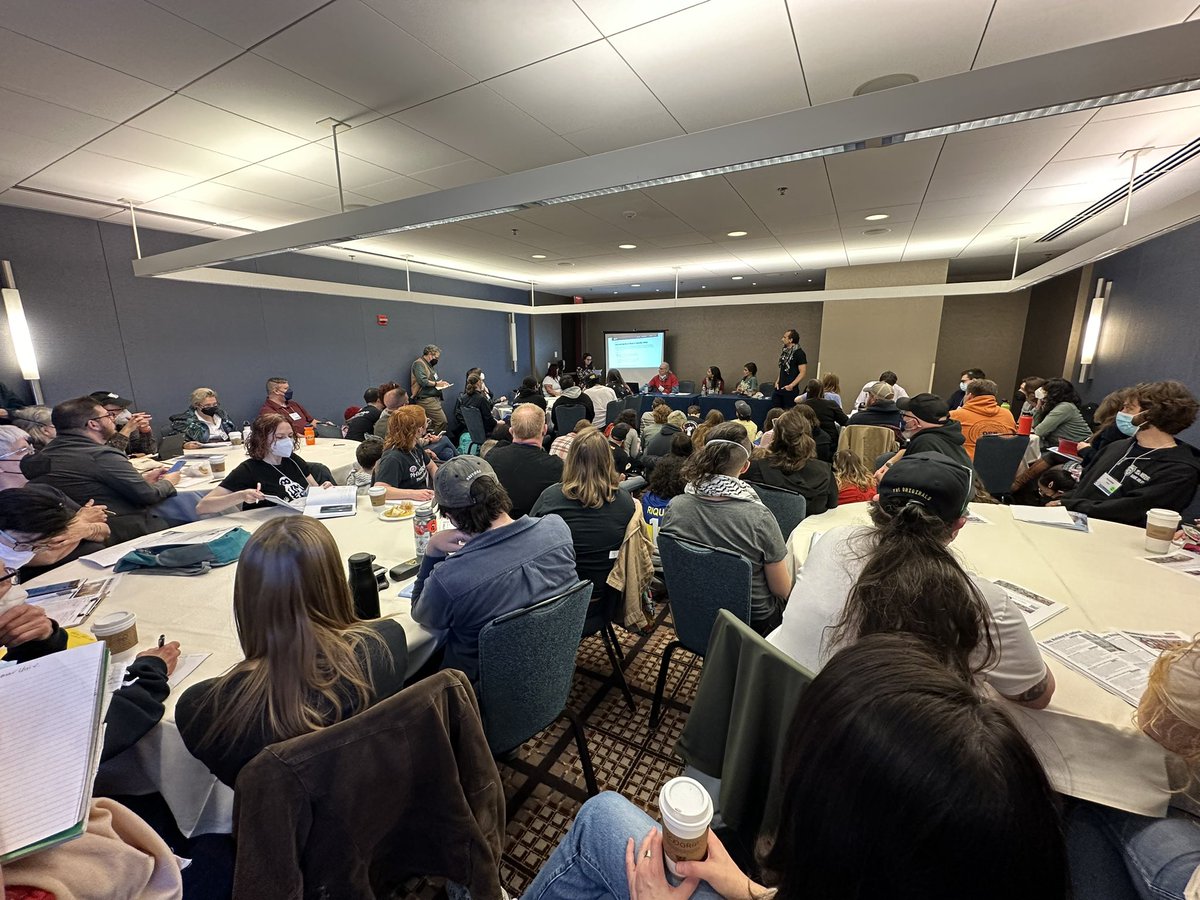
[(21, 546), (98, 418), (20, 451)]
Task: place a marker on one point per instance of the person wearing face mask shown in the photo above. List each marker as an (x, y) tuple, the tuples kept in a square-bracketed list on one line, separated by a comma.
[(134, 436), (80, 463), (474, 395), (1150, 469), (41, 528), (273, 469), (928, 429), (205, 422), (959, 397), (14, 446), (279, 402), (427, 387), (1057, 418)]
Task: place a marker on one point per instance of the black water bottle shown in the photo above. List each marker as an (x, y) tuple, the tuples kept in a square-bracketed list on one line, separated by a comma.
[(363, 586)]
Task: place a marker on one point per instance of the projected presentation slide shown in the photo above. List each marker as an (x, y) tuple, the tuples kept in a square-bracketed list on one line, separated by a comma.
[(635, 353)]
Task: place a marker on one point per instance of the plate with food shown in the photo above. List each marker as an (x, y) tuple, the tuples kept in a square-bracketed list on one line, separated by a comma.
[(397, 512)]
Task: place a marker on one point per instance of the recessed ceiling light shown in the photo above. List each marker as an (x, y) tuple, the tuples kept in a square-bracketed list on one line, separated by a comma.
[(873, 231), (538, 256), (736, 234), (627, 246), (753, 283), (737, 277), (810, 281), (566, 263), (877, 217), (615, 292), (703, 287), (884, 82), (635, 285)]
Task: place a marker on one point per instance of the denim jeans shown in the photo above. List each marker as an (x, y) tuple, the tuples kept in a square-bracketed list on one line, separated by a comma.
[(589, 863), (1116, 855)]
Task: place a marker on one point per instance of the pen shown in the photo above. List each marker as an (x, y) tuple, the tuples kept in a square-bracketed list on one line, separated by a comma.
[(162, 640), (109, 512)]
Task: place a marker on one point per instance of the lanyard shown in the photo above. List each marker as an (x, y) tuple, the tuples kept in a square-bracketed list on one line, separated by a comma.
[(1131, 461)]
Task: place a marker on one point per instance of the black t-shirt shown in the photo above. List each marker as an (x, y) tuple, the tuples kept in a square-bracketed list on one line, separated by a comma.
[(596, 533), (362, 423), (790, 361), (288, 480), (404, 469), (524, 471), (815, 481)]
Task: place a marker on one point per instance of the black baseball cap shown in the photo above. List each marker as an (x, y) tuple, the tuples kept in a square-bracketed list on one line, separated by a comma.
[(926, 407), (936, 482), (111, 398)]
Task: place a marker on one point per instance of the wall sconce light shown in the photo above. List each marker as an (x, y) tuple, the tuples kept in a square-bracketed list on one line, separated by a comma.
[(18, 330), (1091, 332)]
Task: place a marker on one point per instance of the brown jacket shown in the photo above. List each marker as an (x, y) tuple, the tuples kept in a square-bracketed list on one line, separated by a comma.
[(633, 570), (408, 787)]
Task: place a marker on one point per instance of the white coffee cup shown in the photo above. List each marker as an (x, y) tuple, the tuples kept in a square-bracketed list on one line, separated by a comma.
[(686, 811), (1161, 525), (378, 495), (118, 630)]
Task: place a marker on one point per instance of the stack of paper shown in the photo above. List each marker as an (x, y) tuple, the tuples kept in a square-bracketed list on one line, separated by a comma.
[(70, 602), (1180, 561), (1058, 516), (1036, 608), (1118, 661)]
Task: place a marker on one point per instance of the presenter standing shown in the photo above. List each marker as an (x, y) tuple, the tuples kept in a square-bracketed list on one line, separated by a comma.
[(427, 388), (793, 367), (665, 381)]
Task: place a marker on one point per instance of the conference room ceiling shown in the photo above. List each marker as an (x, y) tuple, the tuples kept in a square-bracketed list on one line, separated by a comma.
[(205, 115)]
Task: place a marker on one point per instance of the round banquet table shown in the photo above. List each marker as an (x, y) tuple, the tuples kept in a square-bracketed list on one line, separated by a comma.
[(197, 611), (1085, 738)]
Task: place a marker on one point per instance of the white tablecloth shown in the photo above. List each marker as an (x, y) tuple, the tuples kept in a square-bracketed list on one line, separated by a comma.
[(1086, 738), (198, 612), (336, 453)]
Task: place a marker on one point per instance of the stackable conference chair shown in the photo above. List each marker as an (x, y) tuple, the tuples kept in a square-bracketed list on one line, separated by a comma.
[(701, 581), (566, 419), (170, 446), (788, 507), (612, 410), (327, 430), (687, 387), (997, 458), (600, 614), (474, 420), (526, 664), (633, 401)]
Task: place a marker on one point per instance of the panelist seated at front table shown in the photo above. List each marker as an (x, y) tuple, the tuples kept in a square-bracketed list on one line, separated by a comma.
[(665, 382), (273, 468)]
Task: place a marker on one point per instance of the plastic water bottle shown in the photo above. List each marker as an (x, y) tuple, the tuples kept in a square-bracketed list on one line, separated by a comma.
[(424, 526), (245, 431)]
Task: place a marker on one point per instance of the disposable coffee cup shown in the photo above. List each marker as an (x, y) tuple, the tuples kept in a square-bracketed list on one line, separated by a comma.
[(217, 464), (378, 495), (235, 438), (1161, 525), (686, 811), (118, 630)]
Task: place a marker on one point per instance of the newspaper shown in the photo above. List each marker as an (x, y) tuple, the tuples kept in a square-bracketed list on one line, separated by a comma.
[(1036, 608), (1177, 561), (1118, 661), (71, 602)]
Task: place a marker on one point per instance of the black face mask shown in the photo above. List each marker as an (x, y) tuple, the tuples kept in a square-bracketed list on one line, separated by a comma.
[(435, 360), (209, 410)]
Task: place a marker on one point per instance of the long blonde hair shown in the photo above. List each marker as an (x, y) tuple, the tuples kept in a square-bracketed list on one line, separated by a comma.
[(850, 469), (305, 647), (589, 475), (1167, 711)]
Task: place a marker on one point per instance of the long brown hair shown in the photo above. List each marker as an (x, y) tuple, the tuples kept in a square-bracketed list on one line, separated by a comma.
[(305, 654), (403, 426), (831, 383), (262, 435), (714, 418), (792, 444), (589, 475)]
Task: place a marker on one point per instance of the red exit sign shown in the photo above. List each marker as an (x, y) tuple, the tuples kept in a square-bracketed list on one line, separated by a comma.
[(381, 320)]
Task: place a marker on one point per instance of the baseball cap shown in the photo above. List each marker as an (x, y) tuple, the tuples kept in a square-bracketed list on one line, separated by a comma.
[(936, 482), (452, 487), (926, 407), (742, 408), (110, 398), (881, 390), (619, 433)]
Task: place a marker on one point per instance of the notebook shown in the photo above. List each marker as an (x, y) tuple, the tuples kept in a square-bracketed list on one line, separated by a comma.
[(331, 502), (52, 708)]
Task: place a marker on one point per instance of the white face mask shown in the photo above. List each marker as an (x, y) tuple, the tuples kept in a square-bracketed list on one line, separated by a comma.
[(482, 377), (1039, 394), (122, 417), (14, 559), (962, 385), (283, 447)]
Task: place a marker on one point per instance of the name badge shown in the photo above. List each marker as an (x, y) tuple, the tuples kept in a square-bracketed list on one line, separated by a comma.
[(1107, 485), (294, 415)]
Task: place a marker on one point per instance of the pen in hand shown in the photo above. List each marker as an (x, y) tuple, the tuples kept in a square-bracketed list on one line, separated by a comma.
[(162, 640)]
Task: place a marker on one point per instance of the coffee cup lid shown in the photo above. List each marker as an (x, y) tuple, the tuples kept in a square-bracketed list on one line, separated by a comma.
[(377, 489), (1164, 514), (685, 801), (113, 623)]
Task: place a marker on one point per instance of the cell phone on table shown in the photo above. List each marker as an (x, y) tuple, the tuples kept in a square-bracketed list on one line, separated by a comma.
[(177, 465)]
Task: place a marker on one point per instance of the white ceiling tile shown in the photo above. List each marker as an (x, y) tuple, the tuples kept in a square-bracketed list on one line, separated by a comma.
[(146, 219), (51, 203), (106, 178), (846, 43), (982, 203), (612, 16), (201, 125), (48, 121), (886, 176), (1113, 137), (22, 156), (396, 188), (219, 232), (483, 124), (236, 20), (466, 171), (1096, 169), (332, 203), (38, 70), (177, 205), (248, 202), (1152, 105), (1082, 195), (1019, 29), (394, 146), (485, 37), (131, 36), (723, 61), (316, 163), (708, 205), (352, 49), (155, 150), (273, 183), (631, 131), (260, 90)]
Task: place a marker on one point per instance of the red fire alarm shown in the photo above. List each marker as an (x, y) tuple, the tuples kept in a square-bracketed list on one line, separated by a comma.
[(381, 320)]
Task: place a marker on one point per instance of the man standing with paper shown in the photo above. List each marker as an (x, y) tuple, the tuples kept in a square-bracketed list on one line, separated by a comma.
[(427, 387)]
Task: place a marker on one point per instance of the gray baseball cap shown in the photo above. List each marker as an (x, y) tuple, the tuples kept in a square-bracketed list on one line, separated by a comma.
[(452, 487)]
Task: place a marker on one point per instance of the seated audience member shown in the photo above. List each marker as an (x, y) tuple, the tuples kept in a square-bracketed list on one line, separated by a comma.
[(83, 466), (473, 396), (204, 422), (1026, 399), (525, 560), (393, 397), (501, 435), (831, 384), (551, 386), (855, 482), (366, 457), (959, 397), (595, 509), (621, 461), (279, 402), (1149, 470), (654, 419), (1055, 483), (889, 378), (922, 786), (1106, 425), (714, 418), (791, 463), (41, 528), (693, 420), (665, 382), (9, 400), (586, 369), (273, 468), (34, 421), (1117, 855), (633, 443), (523, 468), (748, 384), (310, 661), (484, 389), (529, 392), (617, 383), (768, 432), (900, 575), (713, 383), (829, 413), (1057, 418), (14, 447), (659, 445), (718, 509), (743, 412), (880, 408), (601, 395), (562, 444), (407, 466), (362, 423), (929, 429), (979, 414), (570, 397), (663, 486), (134, 436), (820, 438)]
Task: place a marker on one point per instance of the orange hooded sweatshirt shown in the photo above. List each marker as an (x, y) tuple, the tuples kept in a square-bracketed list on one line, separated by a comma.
[(981, 415)]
